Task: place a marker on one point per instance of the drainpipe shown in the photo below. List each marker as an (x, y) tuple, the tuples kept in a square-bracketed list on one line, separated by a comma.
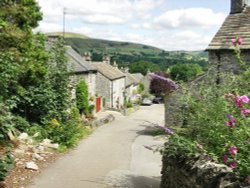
[(112, 94), (218, 68)]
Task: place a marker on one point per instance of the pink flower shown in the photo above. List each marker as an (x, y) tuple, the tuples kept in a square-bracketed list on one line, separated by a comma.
[(245, 112), (233, 41), (238, 102), (231, 121), (225, 159), (237, 41), (233, 165), (244, 98), (233, 150), (240, 40)]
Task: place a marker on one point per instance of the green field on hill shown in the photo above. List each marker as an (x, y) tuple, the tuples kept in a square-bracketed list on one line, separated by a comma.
[(125, 53)]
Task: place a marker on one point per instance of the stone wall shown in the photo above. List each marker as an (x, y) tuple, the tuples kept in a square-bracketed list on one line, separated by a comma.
[(118, 88), (89, 78), (103, 88), (196, 173), (173, 109), (224, 60)]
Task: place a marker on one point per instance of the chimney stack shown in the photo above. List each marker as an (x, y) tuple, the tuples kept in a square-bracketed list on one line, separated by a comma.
[(106, 59), (87, 56), (115, 65), (237, 6)]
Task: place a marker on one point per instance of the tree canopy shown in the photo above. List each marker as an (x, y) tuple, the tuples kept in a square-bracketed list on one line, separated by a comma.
[(143, 67), (185, 72)]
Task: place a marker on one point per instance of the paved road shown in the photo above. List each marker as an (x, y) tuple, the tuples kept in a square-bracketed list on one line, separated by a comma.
[(113, 156)]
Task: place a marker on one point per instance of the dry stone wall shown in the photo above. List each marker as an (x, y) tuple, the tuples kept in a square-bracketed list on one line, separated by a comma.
[(197, 173)]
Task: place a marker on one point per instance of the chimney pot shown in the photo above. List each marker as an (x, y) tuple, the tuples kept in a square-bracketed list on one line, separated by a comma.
[(237, 6)]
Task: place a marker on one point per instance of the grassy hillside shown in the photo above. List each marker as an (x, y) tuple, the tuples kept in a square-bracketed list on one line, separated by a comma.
[(68, 35), (125, 52)]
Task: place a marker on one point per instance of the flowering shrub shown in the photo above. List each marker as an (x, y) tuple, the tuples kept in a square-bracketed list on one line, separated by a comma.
[(217, 120)]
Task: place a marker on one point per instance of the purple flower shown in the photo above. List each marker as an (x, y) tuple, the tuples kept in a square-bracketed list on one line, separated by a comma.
[(231, 121), (233, 165), (238, 102), (172, 84), (225, 159), (167, 130), (240, 41), (233, 41), (245, 112), (244, 99), (233, 150), (237, 41)]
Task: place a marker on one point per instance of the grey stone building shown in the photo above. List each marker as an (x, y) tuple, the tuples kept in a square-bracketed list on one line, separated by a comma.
[(110, 84), (80, 69), (221, 49)]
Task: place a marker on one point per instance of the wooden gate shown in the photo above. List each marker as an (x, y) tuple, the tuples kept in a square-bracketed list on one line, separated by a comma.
[(98, 104)]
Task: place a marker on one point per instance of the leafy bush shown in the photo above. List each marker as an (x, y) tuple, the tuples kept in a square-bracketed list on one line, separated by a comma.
[(82, 99), (21, 123), (217, 120), (6, 163), (141, 88), (6, 123), (68, 133)]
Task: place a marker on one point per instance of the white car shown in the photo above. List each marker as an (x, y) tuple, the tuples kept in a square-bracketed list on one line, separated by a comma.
[(146, 102)]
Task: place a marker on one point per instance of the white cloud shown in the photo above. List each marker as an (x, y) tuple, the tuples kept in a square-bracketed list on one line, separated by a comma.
[(107, 33), (134, 21), (103, 19), (188, 18), (48, 27), (112, 11), (185, 40)]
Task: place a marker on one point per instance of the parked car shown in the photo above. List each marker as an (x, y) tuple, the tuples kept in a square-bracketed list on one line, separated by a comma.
[(158, 100), (146, 102)]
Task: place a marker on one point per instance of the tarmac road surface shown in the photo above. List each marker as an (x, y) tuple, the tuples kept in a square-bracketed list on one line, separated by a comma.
[(114, 156)]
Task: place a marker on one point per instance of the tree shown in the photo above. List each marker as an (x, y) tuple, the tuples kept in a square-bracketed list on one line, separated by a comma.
[(143, 67), (185, 72), (17, 18), (35, 79), (158, 86)]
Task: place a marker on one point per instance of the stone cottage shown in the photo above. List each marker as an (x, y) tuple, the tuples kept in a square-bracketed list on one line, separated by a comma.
[(110, 84), (80, 69), (131, 83), (237, 24), (138, 76)]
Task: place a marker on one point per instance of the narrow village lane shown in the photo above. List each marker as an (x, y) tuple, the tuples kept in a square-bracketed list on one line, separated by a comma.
[(113, 156)]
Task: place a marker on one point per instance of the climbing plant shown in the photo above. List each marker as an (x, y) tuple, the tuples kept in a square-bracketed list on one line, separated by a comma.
[(82, 101)]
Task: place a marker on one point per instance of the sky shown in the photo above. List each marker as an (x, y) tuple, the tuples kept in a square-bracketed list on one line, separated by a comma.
[(166, 24)]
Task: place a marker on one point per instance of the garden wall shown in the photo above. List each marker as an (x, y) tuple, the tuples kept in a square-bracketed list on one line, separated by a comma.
[(196, 173)]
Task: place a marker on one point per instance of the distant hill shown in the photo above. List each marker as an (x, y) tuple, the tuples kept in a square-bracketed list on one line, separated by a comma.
[(125, 53), (67, 35)]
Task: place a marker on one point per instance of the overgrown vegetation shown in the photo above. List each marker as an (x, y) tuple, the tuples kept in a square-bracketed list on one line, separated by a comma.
[(34, 95), (82, 97), (216, 120)]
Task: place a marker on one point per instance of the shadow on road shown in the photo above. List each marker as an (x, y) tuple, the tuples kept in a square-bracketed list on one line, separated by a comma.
[(145, 182)]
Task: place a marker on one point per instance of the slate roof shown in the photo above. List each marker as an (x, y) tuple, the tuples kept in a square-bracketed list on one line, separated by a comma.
[(138, 76), (130, 79), (234, 25), (76, 63), (108, 71)]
